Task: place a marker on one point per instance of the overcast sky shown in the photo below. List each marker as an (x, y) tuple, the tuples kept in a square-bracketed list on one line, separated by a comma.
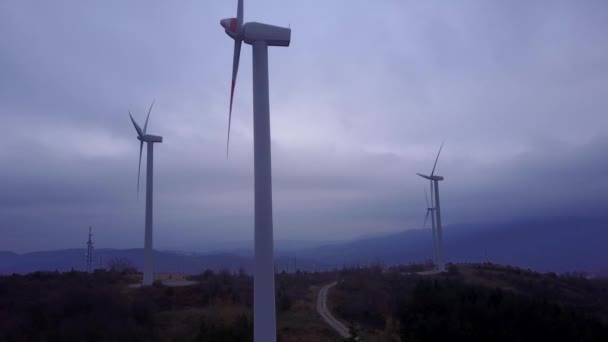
[(360, 101)]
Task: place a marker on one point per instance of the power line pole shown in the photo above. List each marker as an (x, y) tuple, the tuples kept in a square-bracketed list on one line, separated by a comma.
[(90, 252)]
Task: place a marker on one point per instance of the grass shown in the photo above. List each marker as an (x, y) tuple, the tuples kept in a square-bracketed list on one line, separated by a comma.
[(178, 324), (76, 306), (302, 323)]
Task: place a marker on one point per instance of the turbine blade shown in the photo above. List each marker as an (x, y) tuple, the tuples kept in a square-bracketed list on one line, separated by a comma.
[(235, 70), (437, 158), (432, 195), (423, 176), (427, 198), (426, 218), (239, 14), (148, 117), (137, 128), (141, 147)]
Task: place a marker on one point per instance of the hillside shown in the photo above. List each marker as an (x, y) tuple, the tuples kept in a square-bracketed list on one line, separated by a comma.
[(76, 306), (471, 302), (474, 302), (564, 245), (73, 259)]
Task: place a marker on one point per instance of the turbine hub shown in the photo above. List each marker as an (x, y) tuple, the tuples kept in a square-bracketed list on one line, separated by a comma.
[(231, 26)]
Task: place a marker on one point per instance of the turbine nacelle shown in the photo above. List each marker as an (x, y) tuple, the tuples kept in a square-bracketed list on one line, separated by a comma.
[(434, 178), (150, 138), (255, 32), (272, 35)]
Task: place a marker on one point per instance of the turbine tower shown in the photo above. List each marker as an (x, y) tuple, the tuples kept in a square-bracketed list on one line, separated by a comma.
[(434, 180), (149, 139), (430, 210), (260, 37)]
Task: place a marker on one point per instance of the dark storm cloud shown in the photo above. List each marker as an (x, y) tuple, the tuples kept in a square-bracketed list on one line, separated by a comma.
[(360, 101)]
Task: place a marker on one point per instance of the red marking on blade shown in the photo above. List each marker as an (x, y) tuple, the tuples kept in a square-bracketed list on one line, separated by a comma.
[(233, 25)]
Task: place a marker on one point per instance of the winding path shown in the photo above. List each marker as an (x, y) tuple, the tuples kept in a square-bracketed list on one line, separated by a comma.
[(324, 312)]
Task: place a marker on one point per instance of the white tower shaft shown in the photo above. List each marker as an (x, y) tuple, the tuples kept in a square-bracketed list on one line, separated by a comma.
[(441, 264), (435, 259), (264, 322), (148, 268)]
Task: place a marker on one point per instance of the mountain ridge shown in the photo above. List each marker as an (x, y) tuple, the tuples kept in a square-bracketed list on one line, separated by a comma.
[(559, 245)]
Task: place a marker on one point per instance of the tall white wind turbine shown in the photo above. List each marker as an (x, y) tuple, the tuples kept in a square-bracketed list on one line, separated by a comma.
[(434, 180), (149, 139), (430, 210), (260, 37)]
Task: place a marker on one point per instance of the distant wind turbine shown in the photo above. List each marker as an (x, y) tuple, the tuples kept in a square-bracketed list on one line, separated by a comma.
[(430, 210), (149, 139), (434, 180), (260, 37)]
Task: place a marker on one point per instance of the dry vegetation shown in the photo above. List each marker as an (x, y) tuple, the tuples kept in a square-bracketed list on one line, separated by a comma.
[(477, 302), (470, 302), (76, 306)]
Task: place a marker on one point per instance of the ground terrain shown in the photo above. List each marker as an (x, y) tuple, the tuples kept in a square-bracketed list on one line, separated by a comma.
[(472, 302), (76, 306)]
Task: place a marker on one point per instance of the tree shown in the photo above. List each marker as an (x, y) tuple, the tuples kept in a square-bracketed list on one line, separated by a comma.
[(122, 265)]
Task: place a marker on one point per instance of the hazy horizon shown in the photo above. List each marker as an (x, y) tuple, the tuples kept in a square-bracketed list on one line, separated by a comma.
[(359, 103)]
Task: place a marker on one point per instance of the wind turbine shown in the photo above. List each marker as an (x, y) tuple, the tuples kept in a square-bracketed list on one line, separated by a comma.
[(149, 139), (430, 210), (260, 37), (434, 180)]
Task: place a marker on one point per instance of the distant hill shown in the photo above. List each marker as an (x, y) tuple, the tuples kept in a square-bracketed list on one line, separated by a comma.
[(564, 245), (67, 259)]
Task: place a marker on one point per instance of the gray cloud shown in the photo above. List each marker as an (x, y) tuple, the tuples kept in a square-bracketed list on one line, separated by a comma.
[(359, 103)]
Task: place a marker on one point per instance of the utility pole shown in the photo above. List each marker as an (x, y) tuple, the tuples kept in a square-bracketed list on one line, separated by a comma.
[(90, 252)]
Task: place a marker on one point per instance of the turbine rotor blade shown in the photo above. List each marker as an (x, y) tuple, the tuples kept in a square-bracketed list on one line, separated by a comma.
[(235, 70), (437, 158), (426, 218), (141, 147), (427, 199), (137, 128), (432, 195), (423, 176), (239, 14), (148, 117)]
